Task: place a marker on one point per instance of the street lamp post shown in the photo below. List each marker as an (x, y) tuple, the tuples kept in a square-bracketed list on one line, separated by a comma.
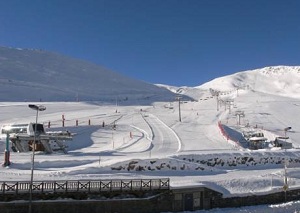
[(285, 130), (179, 110), (37, 108), (285, 180)]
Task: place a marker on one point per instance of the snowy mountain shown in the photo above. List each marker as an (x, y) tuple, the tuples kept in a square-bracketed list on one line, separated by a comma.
[(192, 92), (276, 80), (205, 148), (35, 75)]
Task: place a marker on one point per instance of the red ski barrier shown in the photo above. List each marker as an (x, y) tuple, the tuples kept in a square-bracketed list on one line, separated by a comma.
[(226, 135)]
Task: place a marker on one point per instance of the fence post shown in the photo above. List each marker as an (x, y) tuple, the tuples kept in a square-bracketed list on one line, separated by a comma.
[(63, 120), (3, 188), (17, 188)]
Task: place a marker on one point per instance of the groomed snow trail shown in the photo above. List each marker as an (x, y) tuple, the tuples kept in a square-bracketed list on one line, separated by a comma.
[(165, 141)]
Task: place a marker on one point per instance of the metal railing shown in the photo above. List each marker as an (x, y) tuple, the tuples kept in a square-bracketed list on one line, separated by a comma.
[(90, 186)]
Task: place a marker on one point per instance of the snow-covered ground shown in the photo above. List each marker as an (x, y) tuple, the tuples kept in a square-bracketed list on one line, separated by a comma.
[(149, 141), (289, 207)]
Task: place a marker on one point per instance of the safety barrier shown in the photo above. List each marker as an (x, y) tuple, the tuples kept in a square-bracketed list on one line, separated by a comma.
[(227, 136)]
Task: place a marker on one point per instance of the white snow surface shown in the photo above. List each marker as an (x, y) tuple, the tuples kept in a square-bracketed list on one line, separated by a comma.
[(35, 75), (279, 80), (193, 152)]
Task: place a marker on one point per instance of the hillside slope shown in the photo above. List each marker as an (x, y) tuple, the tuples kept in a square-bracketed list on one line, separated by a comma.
[(277, 80), (34, 75)]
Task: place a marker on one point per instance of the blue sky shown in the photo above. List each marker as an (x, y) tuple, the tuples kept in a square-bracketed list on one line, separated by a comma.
[(175, 42)]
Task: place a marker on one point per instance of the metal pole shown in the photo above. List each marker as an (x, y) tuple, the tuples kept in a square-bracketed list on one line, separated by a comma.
[(285, 184), (285, 139), (179, 109), (7, 153), (37, 108), (218, 101), (32, 162)]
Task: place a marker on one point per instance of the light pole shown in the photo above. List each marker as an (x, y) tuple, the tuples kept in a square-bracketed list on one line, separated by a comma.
[(285, 130), (285, 180), (37, 108), (179, 110)]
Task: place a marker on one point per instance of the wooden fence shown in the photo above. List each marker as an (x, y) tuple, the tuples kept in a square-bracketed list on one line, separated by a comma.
[(92, 186)]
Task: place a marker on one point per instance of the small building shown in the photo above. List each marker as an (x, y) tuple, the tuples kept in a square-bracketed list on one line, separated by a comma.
[(194, 198), (256, 140), (26, 137), (283, 143)]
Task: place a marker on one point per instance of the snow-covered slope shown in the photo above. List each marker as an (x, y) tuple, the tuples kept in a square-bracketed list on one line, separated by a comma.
[(192, 92), (278, 80), (34, 75), (151, 141)]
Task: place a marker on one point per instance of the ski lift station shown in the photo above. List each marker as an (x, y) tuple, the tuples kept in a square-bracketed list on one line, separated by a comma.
[(22, 136), (256, 140)]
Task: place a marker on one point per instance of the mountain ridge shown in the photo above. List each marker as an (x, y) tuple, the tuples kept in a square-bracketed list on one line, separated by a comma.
[(41, 75), (284, 81), (38, 75)]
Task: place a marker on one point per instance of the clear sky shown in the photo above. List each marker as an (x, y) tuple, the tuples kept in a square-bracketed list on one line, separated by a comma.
[(175, 42)]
